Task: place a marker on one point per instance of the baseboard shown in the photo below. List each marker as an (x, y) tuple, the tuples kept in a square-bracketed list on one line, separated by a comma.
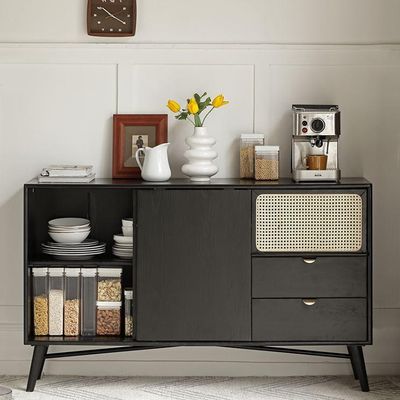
[(195, 368)]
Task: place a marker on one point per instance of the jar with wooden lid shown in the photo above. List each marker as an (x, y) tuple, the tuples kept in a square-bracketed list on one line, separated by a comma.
[(247, 143), (266, 164)]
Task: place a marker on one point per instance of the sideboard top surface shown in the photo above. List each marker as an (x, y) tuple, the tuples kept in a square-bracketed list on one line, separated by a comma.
[(214, 183)]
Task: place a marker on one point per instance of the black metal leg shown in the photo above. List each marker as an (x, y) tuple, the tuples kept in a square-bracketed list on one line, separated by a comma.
[(357, 361), (353, 366), (38, 359)]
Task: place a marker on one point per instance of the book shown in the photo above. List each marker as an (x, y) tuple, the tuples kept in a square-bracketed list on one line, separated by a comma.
[(67, 170), (66, 179)]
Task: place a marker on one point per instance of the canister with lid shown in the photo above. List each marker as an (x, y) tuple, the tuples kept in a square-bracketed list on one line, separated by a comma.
[(72, 301), (40, 288), (109, 318), (266, 163), (247, 143), (56, 301), (109, 284), (88, 301), (128, 311)]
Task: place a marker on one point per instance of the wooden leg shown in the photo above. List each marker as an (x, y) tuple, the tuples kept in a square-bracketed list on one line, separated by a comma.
[(353, 366), (37, 364), (357, 361)]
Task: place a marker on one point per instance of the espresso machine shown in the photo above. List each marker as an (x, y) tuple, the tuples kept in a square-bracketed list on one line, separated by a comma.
[(316, 130)]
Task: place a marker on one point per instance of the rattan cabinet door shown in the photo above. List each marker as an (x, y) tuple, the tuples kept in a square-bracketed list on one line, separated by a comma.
[(307, 222)]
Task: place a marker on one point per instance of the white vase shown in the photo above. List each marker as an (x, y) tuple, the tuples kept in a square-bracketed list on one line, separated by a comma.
[(200, 155)]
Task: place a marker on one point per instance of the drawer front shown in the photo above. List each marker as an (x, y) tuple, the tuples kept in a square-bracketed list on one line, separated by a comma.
[(328, 320), (309, 277)]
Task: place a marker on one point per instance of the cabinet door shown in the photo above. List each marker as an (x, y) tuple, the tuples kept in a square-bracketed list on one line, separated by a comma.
[(194, 265)]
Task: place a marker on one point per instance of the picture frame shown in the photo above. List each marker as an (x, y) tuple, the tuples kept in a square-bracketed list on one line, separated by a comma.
[(131, 131)]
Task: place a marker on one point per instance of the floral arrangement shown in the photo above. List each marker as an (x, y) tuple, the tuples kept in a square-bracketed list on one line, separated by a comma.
[(195, 106)]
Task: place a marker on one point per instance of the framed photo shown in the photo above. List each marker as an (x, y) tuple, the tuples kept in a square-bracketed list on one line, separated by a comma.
[(131, 132)]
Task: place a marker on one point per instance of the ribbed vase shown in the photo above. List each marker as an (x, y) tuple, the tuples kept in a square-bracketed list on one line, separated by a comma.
[(200, 155)]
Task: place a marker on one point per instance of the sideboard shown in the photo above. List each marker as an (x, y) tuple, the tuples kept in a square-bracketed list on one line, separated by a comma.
[(262, 266)]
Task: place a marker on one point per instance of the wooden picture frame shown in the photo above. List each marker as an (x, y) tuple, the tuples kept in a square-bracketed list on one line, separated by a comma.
[(131, 131)]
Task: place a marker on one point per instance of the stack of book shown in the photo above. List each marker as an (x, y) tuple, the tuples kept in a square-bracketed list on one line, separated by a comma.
[(67, 174)]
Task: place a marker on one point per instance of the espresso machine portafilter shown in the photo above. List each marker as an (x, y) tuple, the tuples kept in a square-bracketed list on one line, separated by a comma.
[(316, 131)]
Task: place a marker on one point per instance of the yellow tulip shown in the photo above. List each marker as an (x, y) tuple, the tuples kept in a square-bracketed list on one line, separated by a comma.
[(173, 106), (192, 106), (219, 101)]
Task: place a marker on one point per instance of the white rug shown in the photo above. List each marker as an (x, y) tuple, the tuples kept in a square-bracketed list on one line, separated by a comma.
[(203, 388)]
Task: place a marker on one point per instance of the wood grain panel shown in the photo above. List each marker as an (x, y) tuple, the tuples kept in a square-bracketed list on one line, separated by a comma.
[(193, 265)]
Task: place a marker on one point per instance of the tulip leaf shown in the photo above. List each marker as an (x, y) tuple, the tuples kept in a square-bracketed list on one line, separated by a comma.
[(182, 116), (197, 120)]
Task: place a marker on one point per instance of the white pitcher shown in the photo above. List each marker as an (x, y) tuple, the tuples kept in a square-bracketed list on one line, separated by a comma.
[(155, 167)]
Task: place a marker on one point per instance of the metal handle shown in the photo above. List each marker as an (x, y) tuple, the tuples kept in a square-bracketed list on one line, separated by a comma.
[(309, 260), (309, 302)]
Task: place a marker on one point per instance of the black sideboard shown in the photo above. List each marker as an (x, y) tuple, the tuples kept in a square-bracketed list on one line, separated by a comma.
[(231, 263)]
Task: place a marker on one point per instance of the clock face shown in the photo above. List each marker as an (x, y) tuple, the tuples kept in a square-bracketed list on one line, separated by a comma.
[(111, 17)]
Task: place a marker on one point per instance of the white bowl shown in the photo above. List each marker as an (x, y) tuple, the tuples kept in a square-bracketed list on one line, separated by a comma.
[(69, 237), (123, 239), (127, 230), (65, 230), (127, 222), (69, 222)]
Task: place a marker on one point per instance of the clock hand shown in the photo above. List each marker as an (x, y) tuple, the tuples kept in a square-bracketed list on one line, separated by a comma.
[(111, 15)]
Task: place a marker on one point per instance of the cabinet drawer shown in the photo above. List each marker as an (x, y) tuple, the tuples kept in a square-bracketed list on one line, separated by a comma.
[(309, 277), (327, 320)]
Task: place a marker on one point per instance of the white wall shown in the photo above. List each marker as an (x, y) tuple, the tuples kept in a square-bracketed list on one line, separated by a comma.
[(59, 89)]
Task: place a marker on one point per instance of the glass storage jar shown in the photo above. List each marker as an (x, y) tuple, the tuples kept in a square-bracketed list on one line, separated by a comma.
[(72, 301), (267, 163), (109, 318), (128, 312), (88, 301), (247, 143), (40, 288), (109, 284), (56, 301)]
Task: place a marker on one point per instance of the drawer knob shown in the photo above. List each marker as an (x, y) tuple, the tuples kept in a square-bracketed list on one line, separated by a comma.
[(309, 260), (309, 302)]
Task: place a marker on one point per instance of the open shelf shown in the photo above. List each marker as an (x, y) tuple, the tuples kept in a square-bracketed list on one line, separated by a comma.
[(73, 340), (98, 261)]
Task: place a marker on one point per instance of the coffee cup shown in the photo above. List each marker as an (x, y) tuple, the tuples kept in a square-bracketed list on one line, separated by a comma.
[(316, 161)]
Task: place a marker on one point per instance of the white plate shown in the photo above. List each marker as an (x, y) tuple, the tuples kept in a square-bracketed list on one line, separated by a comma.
[(87, 242), (123, 239), (124, 245), (74, 254), (122, 256), (73, 258), (69, 222), (91, 250)]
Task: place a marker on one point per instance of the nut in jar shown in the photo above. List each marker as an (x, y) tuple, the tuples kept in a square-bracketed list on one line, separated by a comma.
[(266, 164), (108, 318)]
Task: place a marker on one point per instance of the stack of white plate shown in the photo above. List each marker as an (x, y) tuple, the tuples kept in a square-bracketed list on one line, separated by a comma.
[(69, 230), (123, 246), (74, 251)]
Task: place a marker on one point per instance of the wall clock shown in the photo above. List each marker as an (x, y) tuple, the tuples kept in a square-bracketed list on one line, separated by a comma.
[(111, 17)]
